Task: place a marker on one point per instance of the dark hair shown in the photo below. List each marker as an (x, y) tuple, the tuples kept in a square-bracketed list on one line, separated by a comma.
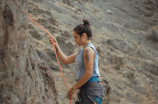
[(84, 28)]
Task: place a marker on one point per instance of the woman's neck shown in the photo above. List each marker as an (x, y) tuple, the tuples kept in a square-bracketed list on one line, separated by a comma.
[(86, 43)]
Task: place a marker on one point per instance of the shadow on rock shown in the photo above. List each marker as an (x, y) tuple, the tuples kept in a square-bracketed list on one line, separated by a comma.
[(153, 36), (36, 35)]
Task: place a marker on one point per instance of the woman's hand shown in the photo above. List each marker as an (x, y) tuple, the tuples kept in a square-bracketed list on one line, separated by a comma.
[(71, 92), (53, 41)]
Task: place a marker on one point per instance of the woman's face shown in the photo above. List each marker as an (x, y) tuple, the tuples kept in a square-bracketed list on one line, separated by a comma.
[(78, 39)]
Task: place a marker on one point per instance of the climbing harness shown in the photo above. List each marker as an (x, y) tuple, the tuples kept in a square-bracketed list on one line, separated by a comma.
[(55, 54)]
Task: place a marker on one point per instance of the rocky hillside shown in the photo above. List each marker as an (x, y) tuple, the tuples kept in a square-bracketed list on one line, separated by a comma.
[(125, 33)]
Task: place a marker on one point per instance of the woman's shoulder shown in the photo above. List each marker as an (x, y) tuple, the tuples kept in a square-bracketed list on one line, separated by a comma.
[(92, 47), (88, 50)]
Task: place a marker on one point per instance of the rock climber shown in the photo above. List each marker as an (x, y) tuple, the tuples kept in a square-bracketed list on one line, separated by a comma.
[(86, 66)]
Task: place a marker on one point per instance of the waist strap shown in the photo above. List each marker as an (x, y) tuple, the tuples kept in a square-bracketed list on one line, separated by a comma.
[(93, 79)]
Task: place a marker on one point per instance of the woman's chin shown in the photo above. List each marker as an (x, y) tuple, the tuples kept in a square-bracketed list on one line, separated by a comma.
[(78, 44)]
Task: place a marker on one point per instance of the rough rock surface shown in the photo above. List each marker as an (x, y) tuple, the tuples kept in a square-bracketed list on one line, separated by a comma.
[(24, 77)]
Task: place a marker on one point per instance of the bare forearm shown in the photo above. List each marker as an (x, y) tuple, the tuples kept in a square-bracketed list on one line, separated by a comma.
[(61, 55), (82, 81)]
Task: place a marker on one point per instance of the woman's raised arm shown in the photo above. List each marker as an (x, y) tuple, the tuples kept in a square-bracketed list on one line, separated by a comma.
[(64, 59)]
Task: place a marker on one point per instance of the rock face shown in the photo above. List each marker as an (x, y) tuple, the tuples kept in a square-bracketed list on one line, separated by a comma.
[(24, 77)]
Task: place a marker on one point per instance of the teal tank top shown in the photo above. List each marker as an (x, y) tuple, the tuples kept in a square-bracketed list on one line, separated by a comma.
[(79, 64)]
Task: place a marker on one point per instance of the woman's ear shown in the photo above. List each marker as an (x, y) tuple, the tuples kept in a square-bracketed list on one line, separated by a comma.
[(84, 35)]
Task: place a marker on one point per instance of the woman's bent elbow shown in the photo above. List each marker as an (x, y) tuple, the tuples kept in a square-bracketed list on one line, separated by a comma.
[(64, 62), (89, 74)]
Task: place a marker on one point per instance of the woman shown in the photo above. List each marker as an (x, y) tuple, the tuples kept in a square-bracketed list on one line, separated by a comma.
[(86, 60)]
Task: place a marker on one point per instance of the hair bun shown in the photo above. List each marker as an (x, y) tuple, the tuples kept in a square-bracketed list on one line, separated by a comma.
[(86, 23)]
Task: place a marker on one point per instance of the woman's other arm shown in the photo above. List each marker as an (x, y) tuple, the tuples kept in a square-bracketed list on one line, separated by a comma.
[(88, 55)]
